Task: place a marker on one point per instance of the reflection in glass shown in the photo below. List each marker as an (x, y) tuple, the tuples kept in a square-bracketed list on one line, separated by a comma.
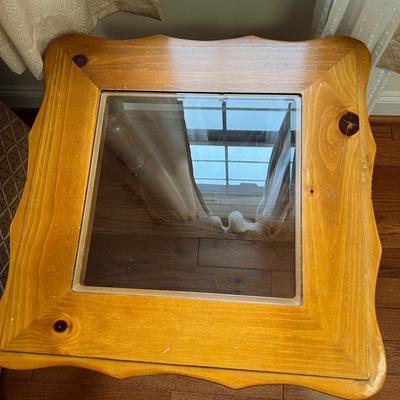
[(196, 193)]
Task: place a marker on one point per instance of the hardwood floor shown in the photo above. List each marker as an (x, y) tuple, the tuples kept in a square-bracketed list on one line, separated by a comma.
[(72, 383)]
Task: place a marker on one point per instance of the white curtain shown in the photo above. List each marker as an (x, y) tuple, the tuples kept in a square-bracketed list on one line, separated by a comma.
[(27, 26), (376, 23)]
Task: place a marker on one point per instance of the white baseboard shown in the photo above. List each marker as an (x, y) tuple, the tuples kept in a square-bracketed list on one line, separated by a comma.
[(390, 96), (21, 97), (388, 103)]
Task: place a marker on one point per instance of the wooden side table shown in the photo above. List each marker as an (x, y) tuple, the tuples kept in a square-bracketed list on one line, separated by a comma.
[(200, 208)]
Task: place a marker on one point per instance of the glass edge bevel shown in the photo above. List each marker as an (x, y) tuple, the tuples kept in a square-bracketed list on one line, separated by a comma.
[(80, 264)]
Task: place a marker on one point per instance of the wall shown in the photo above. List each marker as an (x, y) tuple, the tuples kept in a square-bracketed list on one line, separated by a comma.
[(191, 19)]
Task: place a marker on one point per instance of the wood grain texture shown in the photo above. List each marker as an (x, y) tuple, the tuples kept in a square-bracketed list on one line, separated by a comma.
[(388, 140), (329, 343), (392, 349), (389, 391), (389, 322), (282, 284), (299, 393), (187, 264), (389, 224), (239, 281), (160, 63), (159, 383), (390, 264), (62, 380), (53, 165), (197, 396), (37, 391), (388, 292), (386, 189)]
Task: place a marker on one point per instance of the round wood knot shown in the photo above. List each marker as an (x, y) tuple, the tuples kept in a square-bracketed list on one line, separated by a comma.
[(80, 60), (60, 326), (349, 124)]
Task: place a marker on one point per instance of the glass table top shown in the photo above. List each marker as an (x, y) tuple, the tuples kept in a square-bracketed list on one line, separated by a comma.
[(194, 193)]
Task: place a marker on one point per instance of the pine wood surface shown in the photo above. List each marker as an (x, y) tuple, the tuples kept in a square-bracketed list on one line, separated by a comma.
[(73, 383), (329, 336)]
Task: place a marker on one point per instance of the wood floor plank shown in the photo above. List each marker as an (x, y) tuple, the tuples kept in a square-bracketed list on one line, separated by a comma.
[(388, 145), (381, 130), (191, 385), (73, 375), (388, 292), (271, 256), (389, 153), (389, 323), (201, 396), (386, 188), (162, 251), (23, 375), (300, 393), (392, 349), (390, 263), (158, 383), (63, 391), (283, 284), (389, 228), (396, 129), (109, 273)]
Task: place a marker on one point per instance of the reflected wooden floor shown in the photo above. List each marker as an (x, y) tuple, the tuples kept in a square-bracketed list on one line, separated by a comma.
[(190, 264), (130, 249)]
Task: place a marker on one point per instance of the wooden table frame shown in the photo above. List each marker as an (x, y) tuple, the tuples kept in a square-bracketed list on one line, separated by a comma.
[(330, 342)]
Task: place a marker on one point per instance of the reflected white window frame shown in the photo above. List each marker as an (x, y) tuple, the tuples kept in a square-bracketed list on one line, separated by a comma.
[(223, 100)]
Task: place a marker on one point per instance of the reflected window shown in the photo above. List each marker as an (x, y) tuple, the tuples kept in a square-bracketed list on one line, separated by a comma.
[(241, 144)]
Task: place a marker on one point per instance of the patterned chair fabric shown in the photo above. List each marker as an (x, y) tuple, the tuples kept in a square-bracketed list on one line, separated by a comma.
[(13, 167)]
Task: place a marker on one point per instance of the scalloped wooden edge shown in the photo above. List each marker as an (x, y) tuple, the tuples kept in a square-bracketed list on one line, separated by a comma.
[(347, 388), (353, 389)]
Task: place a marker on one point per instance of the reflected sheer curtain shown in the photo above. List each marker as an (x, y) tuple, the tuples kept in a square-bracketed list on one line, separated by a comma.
[(154, 146), (277, 201)]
